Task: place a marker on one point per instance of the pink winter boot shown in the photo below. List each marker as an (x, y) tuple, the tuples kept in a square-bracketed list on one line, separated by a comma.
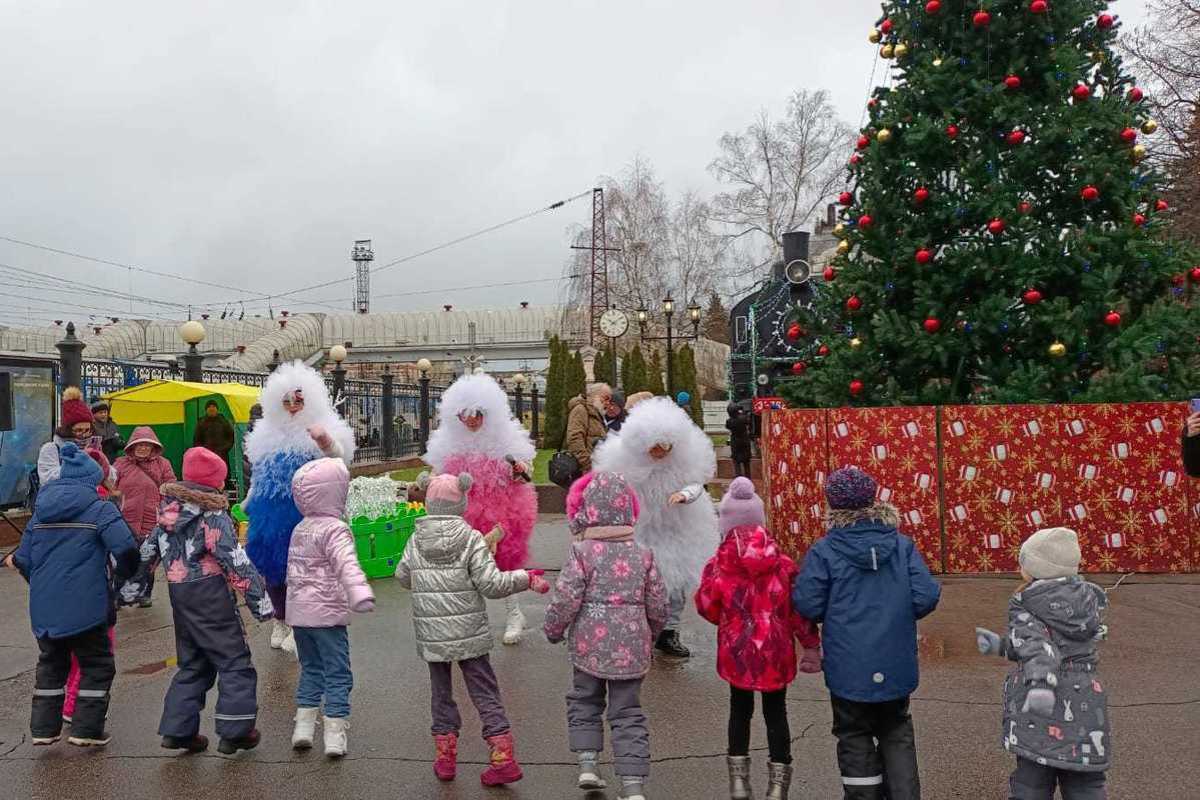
[(504, 768), (445, 766)]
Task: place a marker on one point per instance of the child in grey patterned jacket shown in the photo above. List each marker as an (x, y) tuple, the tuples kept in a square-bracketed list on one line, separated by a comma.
[(204, 563), (1055, 711)]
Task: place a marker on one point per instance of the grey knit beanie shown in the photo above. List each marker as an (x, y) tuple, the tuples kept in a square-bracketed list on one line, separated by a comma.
[(1051, 553)]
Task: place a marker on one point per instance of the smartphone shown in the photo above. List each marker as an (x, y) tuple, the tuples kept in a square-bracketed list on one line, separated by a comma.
[(1195, 405)]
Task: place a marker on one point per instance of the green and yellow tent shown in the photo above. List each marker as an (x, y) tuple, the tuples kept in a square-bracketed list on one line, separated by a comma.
[(172, 409)]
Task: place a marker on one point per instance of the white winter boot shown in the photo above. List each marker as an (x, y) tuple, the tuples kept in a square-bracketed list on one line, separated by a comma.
[(305, 730), (515, 624), (289, 644), (279, 632), (335, 736)]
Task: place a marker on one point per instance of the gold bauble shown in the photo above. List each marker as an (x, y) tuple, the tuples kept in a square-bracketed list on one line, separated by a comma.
[(874, 36), (1149, 127), (937, 62), (839, 230), (1099, 57), (884, 135), (843, 247), (887, 51), (856, 342), (901, 50), (1058, 350), (1138, 152)]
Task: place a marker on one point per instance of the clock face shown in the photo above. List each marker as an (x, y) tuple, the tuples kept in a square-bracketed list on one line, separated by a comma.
[(614, 323)]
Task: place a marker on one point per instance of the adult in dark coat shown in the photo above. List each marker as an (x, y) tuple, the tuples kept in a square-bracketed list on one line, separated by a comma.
[(1191, 445), (738, 425), (104, 427), (214, 432), (614, 412)]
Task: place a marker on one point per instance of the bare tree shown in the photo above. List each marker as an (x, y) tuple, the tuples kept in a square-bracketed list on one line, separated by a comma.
[(780, 172), (1165, 54)]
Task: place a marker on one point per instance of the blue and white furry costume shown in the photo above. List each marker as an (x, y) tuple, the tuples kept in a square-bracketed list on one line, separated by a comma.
[(278, 446), (683, 536)]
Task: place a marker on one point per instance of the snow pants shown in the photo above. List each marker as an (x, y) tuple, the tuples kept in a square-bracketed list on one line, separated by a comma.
[(626, 719), (1032, 781), (877, 750), (209, 642), (97, 668), (483, 688)]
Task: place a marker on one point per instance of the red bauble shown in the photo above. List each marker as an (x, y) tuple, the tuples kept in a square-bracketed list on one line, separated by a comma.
[(952, 131), (1032, 297), (830, 273), (799, 367), (886, 26), (1160, 205), (921, 195), (793, 332), (924, 256), (1129, 135), (996, 227), (823, 350), (856, 387), (981, 19), (1194, 274), (853, 303), (1112, 319), (1136, 94), (1104, 21), (932, 325), (1090, 193), (1179, 280), (933, 7), (1039, 6), (855, 160), (845, 198), (865, 221), (872, 103), (1139, 219), (1024, 206), (1013, 82), (863, 143), (1081, 93), (1016, 137)]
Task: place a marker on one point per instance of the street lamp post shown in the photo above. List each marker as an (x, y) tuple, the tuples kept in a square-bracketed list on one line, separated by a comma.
[(668, 310), (338, 353), (518, 389), (192, 333), (424, 365)]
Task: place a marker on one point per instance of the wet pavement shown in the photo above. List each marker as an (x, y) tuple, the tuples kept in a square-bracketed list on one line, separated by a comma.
[(1151, 664)]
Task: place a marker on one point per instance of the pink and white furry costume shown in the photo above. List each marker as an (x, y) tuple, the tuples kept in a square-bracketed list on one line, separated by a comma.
[(495, 497)]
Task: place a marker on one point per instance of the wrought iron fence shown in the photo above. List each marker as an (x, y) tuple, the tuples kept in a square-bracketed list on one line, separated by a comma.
[(102, 377)]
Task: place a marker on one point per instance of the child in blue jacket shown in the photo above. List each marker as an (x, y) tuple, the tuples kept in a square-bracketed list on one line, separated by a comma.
[(867, 585), (64, 554)]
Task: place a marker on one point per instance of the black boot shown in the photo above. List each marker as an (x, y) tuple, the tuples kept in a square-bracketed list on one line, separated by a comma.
[(669, 645), (230, 746), (193, 744)]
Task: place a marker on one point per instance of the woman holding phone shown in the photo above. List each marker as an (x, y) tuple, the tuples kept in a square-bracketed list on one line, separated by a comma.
[(1191, 441)]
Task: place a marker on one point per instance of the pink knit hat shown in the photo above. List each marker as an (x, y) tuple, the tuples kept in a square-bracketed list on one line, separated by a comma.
[(445, 495), (203, 466), (740, 506)]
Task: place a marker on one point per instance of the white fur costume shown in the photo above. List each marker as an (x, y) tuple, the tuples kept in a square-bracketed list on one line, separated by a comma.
[(683, 537), (500, 436)]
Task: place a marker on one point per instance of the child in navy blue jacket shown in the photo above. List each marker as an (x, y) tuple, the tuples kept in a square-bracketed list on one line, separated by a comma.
[(64, 554), (867, 585)]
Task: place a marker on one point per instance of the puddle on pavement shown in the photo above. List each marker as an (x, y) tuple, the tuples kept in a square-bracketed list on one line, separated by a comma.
[(152, 667)]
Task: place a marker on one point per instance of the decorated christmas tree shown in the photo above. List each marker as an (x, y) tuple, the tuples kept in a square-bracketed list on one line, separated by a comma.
[(1001, 238)]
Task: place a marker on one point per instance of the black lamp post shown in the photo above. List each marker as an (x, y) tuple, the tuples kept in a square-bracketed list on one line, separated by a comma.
[(192, 333), (668, 310), (338, 354)]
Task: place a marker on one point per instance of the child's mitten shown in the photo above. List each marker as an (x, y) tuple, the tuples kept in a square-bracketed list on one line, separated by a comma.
[(1040, 702), (988, 642), (537, 583), (810, 662)]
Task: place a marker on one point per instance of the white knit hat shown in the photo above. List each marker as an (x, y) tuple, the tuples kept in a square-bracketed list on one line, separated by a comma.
[(1051, 553)]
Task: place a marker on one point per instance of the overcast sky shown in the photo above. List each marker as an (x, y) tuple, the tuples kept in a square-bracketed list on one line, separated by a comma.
[(249, 143)]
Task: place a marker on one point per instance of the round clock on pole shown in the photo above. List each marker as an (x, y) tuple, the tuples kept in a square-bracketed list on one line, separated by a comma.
[(613, 324)]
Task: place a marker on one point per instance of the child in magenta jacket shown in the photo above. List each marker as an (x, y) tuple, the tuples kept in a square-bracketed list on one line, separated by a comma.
[(324, 584), (745, 591)]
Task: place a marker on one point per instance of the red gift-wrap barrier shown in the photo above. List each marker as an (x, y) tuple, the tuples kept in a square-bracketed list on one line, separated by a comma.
[(972, 482)]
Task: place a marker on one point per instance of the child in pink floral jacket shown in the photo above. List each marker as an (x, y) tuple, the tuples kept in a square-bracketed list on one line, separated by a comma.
[(611, 597)]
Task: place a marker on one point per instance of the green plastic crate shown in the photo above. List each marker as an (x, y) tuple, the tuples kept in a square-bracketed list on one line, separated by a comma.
[(380, 543)]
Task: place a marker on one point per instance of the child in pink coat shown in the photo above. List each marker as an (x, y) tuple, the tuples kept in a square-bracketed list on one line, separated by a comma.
[(324, 584), (614, 603), (745, 591)]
